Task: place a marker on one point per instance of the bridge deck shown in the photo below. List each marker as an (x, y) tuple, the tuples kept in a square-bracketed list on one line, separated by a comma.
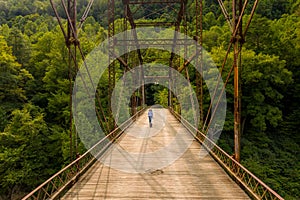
[(188, 177)]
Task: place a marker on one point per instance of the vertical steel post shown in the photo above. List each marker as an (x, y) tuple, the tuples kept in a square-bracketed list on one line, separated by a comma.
[(199, 55), (129, 15), (111, 32), (201, 63), (72, 46), (170, 102), (111, 67), (237, 98), (143, 87)]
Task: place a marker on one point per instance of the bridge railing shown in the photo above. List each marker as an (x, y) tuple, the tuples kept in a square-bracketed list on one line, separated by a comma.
[(248, 181), (56, 186)]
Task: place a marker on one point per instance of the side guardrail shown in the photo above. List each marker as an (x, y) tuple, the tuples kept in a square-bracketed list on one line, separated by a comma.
[(60, 182), (248, 181)]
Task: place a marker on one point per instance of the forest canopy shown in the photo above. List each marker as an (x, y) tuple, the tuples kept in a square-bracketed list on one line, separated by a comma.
[(34, 88)]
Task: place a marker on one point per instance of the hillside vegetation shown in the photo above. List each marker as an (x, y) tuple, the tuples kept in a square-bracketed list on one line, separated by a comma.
[(34, 89)]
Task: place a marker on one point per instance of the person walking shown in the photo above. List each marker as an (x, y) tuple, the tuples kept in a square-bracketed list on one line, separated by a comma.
[(150, 116)]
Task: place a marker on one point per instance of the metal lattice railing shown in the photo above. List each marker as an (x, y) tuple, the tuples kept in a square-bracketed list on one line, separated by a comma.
[(248, 181), (56, 186)]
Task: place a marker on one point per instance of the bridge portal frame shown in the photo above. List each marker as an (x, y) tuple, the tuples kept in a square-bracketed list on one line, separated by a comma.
[(236, 40)]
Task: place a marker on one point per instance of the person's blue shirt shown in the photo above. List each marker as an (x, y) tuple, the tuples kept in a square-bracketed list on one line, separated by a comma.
[(150, 113)]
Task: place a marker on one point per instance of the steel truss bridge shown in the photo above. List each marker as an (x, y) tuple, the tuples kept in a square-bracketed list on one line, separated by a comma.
[(212, 175)]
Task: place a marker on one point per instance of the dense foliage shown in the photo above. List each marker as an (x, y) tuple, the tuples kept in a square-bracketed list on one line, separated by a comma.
[(34, 89)]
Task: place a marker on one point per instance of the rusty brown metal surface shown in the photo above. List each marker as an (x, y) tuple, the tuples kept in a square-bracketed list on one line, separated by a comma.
[(199, 54)]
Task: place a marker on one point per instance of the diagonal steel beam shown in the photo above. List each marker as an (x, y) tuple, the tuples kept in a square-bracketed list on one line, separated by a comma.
[(130, 18), (177, 27), (251, 17), (133, 28), (225, 13)]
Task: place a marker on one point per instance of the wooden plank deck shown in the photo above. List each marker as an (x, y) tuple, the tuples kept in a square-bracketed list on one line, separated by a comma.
[(189, 177)]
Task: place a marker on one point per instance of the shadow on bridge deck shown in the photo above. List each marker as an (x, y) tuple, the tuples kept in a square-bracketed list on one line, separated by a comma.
[(188, 177)]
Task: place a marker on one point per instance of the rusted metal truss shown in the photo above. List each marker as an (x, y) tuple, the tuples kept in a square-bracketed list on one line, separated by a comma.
[(72, 42), (56, 185), (142, 44)]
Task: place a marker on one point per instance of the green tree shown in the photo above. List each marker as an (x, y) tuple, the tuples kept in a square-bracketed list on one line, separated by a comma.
[(50, 89), (161, 97), (260, 36), (274, 9), (29, 152), (12, 83), (263, 79), (21, 46)]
